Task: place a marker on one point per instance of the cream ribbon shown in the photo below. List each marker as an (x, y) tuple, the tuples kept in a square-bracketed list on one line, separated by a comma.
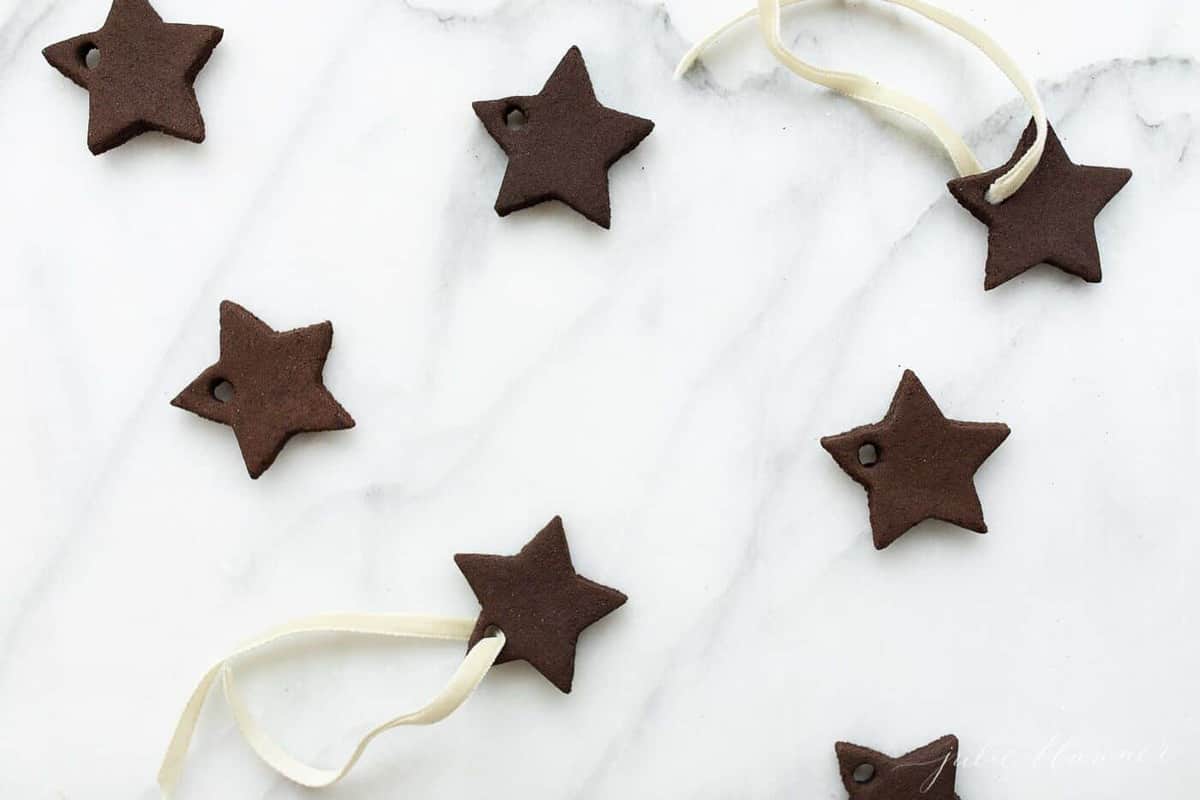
[(478, 661), (870, 91)]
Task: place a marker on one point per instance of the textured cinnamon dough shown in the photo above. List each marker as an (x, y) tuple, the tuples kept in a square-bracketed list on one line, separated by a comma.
[(538, 600), (565, 144), (275, 384), (1050, 219), (143, 78), (924, 463), (927, 773)]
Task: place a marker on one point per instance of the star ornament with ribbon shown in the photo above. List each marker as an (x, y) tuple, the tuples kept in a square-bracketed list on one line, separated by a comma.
[(539, 601), (139, 72), (534, 606), (1050, 219), (1039, 207)]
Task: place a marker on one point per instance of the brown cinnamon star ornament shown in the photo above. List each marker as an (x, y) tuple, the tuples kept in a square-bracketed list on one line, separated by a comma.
[(138, 71), (560, 142), (1050, 219), (267, 385), (538, 600), (927, 773), (916, 465)]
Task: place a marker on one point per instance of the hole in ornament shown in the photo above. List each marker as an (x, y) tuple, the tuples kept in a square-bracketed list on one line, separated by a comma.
[(515, 118), (222, 391), (868, 455), (90, 55), (863, 773)]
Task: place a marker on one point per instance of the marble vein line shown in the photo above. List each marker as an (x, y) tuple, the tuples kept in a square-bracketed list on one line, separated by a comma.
[(15, 32), (745, 564), (120, 448)]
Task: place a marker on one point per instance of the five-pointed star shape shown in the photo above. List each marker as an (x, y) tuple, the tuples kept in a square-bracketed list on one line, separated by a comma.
[(538, 601), (565, 146), (1050, 219), (924, 464), (143, 80), (276, 385), (927, 773)]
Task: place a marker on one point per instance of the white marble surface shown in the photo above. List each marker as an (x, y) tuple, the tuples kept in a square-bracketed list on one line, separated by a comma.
[(778, 255)]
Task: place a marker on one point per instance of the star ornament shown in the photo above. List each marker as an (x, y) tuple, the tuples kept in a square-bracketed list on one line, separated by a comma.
[(267, 386), (916, 465), (138, 71), (1050, 219), (538, 600), (927, 773), (560, 143)]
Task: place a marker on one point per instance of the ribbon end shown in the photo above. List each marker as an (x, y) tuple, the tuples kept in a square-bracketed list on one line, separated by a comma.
[(168, 779), (686, 63)]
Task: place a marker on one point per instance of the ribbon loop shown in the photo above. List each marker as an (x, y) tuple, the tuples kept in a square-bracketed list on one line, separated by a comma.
[(475, 665), (869, 91)]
